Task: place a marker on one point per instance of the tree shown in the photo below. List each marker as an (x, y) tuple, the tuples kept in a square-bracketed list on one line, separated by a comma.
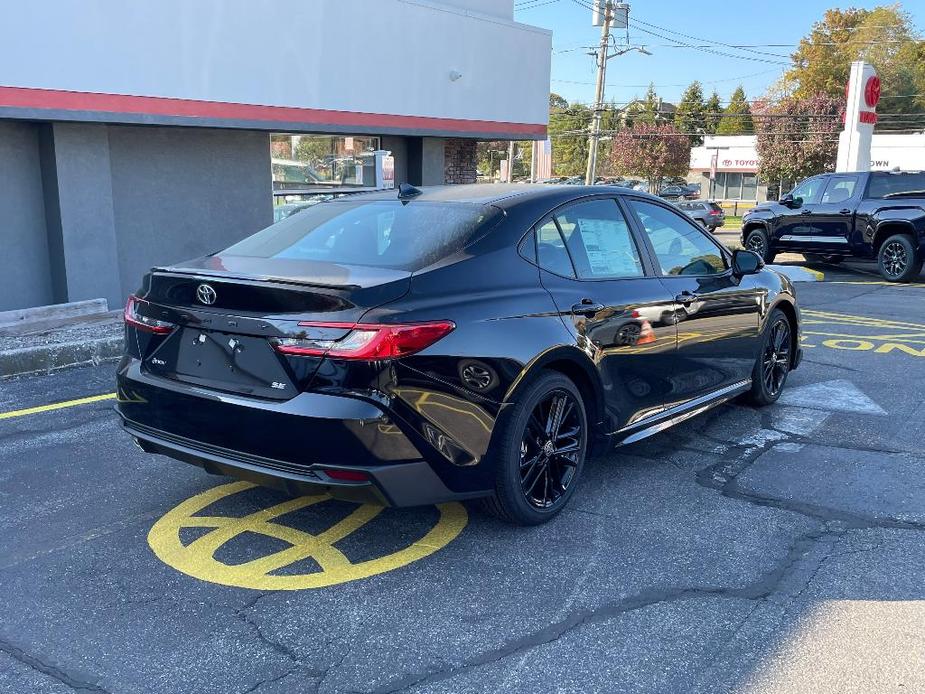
[(690, 114), (797, 137), (645, 110), (737, 118), (557, 102), (568, 130), (712, 110), (652, 151), (883, 36)]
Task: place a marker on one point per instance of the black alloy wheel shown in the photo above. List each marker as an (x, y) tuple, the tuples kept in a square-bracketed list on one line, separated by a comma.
[(757, 241), (550, 449), (538, 451), (774, 360), (899, 259)]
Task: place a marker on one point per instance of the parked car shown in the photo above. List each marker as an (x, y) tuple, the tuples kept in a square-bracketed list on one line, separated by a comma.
[(455, 342), (875, 215), (707, 214), (673, 192)]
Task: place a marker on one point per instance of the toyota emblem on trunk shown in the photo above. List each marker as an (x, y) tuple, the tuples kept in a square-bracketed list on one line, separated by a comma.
[(206, 294)]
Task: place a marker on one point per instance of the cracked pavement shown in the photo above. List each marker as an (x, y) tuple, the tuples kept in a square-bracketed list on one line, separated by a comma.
[(775, 550)]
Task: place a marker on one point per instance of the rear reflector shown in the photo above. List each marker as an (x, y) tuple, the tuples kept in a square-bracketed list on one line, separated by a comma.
[(367, 341), (136, 320), (346, 475)]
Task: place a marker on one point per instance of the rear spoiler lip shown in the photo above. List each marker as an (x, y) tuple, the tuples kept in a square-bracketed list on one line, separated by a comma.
[(250, 279)]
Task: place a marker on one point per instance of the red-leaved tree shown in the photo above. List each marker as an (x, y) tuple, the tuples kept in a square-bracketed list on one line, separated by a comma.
[(651, 151), (797, 137)]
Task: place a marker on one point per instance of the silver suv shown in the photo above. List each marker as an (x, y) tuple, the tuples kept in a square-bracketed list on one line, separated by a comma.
[(708, 214)]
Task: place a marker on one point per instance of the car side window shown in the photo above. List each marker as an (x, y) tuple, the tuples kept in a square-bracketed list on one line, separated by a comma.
[(599, 240), (809, 190), (839, 189), (550, 250), (680, 247)]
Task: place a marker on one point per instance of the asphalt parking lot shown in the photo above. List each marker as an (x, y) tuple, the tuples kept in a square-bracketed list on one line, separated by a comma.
[(775, 550)]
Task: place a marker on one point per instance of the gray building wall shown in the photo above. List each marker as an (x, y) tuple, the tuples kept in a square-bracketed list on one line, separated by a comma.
[(180, 193), (25, 276), (398, 146), (87, 208), (84, 228)]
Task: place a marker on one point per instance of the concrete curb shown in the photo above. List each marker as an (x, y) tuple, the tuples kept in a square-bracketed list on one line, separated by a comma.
[(45, 358)]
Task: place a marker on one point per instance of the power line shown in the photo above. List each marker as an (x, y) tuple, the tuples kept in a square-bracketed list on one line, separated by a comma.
[(713, 51), (709, 41), (533, 4)]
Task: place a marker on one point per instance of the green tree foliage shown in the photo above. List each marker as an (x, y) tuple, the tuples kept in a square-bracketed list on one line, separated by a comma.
[(737, 118), (690, 116), (313, 150), (797, 137), (651, 151), (568, 128), (645, 110), (712, 109), (557, 102), (883, 36)]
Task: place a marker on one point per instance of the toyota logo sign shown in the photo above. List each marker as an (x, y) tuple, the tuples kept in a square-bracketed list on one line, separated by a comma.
[(206, 294)]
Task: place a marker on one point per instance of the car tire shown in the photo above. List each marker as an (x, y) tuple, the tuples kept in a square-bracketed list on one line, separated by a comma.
[(774, 361), (757, 240), (528, 493), (899, 259)]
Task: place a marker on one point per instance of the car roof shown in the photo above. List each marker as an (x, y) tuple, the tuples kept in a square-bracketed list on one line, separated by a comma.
[(501, 194)]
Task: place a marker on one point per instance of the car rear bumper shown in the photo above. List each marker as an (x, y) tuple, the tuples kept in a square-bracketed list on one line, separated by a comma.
[(291, 445)]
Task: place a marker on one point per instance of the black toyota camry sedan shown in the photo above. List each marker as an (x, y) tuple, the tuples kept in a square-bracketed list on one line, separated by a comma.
[(418, 346)]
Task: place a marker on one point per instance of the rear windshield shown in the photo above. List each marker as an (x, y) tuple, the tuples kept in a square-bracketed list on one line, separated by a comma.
[(714, 206), (888, 185), (381, 233)]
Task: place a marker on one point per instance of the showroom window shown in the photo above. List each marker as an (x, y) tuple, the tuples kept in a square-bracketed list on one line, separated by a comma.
[(732, 185), (300, 161)]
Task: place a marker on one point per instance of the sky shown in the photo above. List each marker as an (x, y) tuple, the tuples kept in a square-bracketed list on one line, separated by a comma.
[(672, 68)]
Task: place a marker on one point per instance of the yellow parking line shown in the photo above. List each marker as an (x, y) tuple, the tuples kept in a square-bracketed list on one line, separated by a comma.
[(56, 406), (897, 285)]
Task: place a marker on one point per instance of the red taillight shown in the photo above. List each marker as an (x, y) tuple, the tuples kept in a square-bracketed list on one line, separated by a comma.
[(136, 320), (715, 212), (346, 475), (367, 341)]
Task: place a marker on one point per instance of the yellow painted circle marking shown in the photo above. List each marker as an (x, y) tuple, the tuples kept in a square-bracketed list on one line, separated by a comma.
[(197, 559)]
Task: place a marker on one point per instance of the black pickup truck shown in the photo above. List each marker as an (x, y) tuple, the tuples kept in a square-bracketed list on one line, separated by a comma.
[(878, 215)]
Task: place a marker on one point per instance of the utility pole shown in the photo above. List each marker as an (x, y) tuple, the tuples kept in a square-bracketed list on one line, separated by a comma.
[(599, 93), (510, 161), (611, 12)]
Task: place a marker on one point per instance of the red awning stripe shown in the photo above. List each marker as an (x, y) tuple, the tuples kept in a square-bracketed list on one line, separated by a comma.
[(57, 99)]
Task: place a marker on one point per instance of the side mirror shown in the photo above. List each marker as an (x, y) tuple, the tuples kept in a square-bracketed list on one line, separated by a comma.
[(746, 262), (789, 201)]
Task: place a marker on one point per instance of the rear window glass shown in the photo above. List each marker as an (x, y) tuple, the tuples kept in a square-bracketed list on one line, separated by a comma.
[(888, 185), (714, 206), (381, 233)]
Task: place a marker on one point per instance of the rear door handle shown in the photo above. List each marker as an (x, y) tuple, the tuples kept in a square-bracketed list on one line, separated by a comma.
[(686, 298), (587, 307)]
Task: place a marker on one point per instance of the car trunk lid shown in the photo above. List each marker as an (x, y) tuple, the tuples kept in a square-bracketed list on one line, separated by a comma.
[(229, 312)]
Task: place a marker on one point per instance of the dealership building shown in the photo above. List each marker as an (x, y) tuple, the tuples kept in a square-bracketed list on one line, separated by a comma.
[(134, 134), (726, 166)]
